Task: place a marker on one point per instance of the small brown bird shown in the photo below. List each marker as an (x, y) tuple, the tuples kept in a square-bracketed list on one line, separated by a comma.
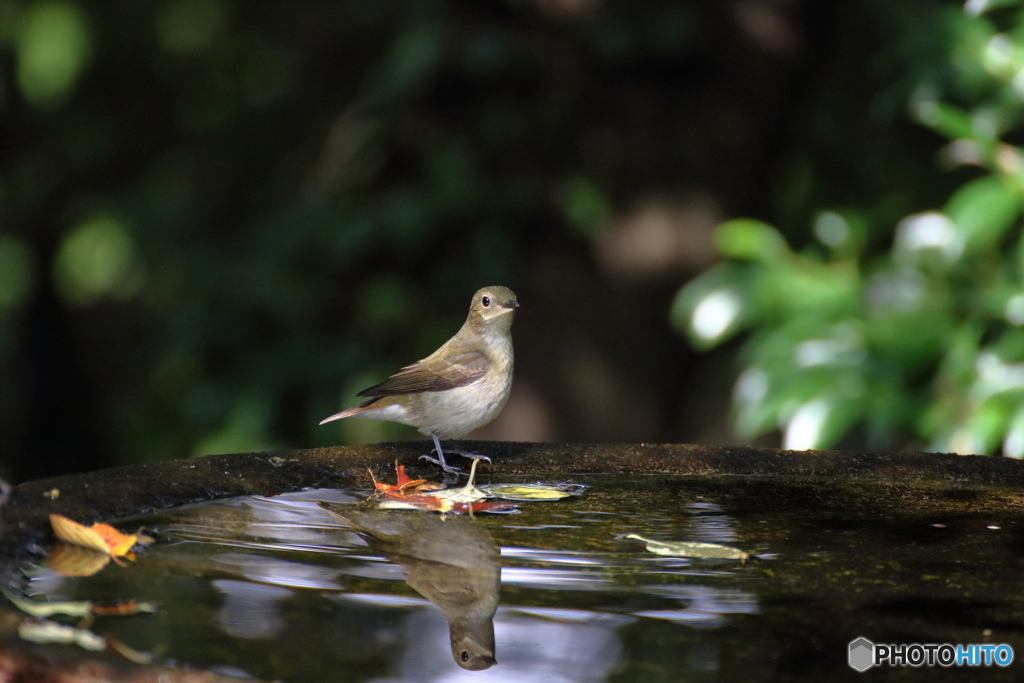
[(452, 561), (458, 388)]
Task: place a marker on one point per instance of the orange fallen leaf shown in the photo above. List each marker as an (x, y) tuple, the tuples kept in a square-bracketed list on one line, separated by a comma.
[(402, 484), (395, 500), (418, 493), (101, 537)]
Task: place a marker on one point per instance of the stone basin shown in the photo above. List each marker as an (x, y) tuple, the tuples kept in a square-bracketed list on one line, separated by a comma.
[(251, 578)]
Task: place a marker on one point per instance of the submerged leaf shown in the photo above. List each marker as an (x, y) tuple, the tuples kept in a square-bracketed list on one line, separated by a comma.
[(131, 654), (74, 560), (691, 549), (77, 608), (43, 632), (124, 608)]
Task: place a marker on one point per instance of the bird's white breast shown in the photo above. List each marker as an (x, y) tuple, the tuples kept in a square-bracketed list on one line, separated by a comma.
[(456, 412)]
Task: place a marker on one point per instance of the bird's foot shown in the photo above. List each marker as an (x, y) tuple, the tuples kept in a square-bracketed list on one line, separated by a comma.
[(448, 469), (471, 456)]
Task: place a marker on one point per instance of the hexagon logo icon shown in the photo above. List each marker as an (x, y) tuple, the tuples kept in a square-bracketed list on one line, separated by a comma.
[(862, 654)]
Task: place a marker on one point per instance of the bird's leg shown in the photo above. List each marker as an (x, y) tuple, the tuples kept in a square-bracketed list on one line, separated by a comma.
[(439, 460)]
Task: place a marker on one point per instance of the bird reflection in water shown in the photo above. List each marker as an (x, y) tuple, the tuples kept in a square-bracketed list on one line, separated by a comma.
[(453, 562)]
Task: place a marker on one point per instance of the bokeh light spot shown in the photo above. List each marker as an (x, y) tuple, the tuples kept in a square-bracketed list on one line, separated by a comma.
[(54, 45), (716, 314), (1014, 311), (805, 428), (831, 228), (97, 258)]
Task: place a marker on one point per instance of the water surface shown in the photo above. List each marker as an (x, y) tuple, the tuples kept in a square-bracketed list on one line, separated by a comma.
[(279, 589)]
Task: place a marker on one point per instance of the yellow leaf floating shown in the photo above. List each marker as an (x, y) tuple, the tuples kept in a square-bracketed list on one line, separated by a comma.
[(101, 537), (691, 549), (528, 492)]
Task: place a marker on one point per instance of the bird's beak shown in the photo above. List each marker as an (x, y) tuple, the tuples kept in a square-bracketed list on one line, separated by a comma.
[(511, 304)]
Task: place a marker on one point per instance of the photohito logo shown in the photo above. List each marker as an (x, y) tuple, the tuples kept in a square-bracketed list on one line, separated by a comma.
[(863, 654)]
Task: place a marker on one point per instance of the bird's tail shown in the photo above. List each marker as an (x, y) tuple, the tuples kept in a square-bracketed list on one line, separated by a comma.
[(349, 412)]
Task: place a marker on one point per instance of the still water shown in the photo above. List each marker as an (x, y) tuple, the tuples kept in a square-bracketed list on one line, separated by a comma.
[(281, 589)]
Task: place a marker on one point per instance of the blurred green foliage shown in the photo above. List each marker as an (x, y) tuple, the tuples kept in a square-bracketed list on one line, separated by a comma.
[(886, 331), (220, 219)]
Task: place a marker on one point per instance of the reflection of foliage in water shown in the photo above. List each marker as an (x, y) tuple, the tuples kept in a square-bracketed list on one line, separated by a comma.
[(281, 590), (915, 335)]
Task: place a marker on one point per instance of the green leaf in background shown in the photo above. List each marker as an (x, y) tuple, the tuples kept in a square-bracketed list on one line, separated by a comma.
[(584, 205), (947, 119), (751, 240), (982, 211), (920, 335), (804, 284)]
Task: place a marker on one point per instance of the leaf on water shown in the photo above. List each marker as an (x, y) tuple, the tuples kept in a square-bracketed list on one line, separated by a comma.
[(131, 654), (691, 549), (533, 491), (44, 632), (74, 560), (101, 537), (467, 494), (417, 494), (403, 483), (78, 608), (143, 539)]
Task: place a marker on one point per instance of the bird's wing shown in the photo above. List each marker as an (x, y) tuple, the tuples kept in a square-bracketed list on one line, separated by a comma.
[(432, 374)]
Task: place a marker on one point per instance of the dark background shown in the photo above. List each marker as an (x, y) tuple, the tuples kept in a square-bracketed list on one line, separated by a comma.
[(236, 214)]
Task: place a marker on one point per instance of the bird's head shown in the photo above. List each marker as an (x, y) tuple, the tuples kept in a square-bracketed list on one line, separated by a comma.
[(493, 307), (473, 649)]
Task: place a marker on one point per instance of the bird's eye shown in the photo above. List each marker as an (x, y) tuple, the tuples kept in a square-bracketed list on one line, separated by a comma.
[(464, 656), (486, 301)]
